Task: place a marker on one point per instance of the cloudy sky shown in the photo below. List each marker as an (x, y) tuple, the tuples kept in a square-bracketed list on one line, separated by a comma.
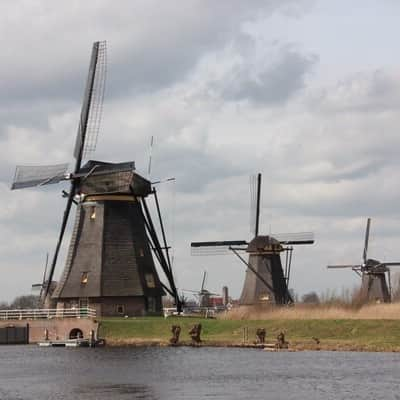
[(306, 92)]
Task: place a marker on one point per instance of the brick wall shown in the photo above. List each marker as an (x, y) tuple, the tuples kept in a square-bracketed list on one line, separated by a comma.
[(57, 328)]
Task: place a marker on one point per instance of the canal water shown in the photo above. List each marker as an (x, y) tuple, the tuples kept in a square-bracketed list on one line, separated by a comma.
[(30, 372)]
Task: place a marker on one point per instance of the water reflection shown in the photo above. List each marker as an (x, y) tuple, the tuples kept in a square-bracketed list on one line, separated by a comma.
[(119, 391)]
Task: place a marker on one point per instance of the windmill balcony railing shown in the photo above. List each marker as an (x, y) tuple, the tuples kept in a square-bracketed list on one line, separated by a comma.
[(48, 313)]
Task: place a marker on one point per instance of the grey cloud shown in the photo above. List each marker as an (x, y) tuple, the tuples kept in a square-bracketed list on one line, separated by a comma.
[(23, 92), (152, 44), (368, 91), (357, 165), (341, 199), (194, 168), (177, 46), (35, 113), (275, 83)]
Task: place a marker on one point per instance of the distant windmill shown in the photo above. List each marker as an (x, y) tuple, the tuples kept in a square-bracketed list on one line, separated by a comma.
[(109, 264), (266, 281), (373, 274), (42, 286), (203, 295)]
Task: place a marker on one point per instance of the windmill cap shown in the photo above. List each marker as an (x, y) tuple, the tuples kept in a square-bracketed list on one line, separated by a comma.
[(264, 244), (106, 166), (101, 177), (372, 263)]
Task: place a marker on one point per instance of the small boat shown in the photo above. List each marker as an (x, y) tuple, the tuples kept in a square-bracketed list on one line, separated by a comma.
[(79, 342), (65, 343)]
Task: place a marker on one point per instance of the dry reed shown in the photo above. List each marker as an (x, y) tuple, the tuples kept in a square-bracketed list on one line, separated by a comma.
[(323, 311)]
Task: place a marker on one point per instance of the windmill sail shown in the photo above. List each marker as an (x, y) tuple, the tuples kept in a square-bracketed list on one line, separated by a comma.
[(353, 266), (258, 205), (92, 106), (58, 246), (366, 240), (203, 281), (31, 176), (255, 193), (294, 238), (215, 248), (87, 131), (253, 202)]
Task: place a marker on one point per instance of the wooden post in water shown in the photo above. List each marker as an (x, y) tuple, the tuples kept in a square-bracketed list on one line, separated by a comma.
[(245, 334)]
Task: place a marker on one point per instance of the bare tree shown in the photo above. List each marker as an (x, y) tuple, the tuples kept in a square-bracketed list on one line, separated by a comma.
[(310, 298), (4, 305), (23, 302)]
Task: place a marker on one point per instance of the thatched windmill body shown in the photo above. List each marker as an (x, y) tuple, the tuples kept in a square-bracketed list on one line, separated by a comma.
[(110, 263), (267, 278), (375, 275)]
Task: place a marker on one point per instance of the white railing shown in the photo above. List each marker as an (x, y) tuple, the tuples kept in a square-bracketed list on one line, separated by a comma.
[(48, 313)]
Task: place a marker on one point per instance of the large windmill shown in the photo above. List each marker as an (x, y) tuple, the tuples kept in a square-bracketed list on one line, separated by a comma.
[(110, 264), (374, 286), (266, 280)]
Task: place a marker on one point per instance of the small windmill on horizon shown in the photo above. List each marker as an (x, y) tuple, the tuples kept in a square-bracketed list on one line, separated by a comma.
[(203, 295)]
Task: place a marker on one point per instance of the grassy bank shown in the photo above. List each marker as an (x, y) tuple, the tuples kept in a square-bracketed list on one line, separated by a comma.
[(334, 334)]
